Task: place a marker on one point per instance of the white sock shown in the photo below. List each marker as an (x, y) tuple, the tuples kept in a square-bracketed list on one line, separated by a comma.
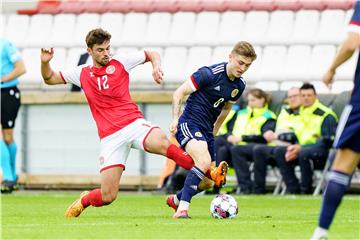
[(183, 205), (320, 233), (176, 200)]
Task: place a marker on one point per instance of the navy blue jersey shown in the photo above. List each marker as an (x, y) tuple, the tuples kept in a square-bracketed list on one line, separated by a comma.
[(212, 89), (348, 131), (355, 27)]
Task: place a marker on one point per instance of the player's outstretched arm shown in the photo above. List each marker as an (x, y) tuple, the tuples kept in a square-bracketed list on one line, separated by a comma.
[(224, 112), (155, 60), (178, 98), (347, 48), (49, 76)]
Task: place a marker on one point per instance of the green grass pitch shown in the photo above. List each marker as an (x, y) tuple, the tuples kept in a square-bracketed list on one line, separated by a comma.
[(39, 215)]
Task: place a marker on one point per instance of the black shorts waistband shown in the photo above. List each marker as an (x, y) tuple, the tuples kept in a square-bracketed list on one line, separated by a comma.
[(10, 88)]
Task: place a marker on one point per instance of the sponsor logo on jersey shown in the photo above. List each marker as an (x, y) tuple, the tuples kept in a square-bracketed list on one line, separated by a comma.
[(110, 69), (198, 134), (234, 92), (92, 74)]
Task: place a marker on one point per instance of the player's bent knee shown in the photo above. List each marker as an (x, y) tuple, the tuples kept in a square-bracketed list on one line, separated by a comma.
[(346, 160), (157, 144), (204, 164)]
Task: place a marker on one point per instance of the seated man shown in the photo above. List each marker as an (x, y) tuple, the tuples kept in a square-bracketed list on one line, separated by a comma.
[(250, 125), (286, 127), (314, 140)]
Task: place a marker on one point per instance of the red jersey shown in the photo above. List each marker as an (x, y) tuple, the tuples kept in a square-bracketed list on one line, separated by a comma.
[(107, 91)]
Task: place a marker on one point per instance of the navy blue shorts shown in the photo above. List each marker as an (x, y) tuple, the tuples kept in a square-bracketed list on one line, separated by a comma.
[(187, 131), (348, 131)]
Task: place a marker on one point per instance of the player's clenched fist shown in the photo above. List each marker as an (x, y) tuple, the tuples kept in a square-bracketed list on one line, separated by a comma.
[(173, 127), (46, 54), (158, 75)]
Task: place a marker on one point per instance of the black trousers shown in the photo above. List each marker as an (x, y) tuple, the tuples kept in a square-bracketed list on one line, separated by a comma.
[(309, 158), (222, 149), (241, 156), (263, 155)]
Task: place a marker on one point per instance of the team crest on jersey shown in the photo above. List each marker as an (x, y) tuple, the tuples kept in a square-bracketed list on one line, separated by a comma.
[(198, 134), (110, 69), (234, 92)]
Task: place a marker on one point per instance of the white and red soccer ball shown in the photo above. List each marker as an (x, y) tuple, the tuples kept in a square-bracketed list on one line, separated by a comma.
[(223, 206)]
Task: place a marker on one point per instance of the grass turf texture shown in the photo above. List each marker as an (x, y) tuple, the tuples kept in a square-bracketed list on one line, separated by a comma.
[(39, 215)]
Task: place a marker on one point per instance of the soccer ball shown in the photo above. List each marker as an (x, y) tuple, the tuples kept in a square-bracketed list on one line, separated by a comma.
[(223, 206)]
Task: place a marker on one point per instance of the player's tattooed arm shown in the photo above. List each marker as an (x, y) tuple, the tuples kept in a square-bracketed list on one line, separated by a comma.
[(49, 76), (224, 112), (178, 98)]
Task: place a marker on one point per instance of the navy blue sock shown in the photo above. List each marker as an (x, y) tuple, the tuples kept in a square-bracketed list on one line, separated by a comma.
[(334, 192), (192, 181), (178, 194)]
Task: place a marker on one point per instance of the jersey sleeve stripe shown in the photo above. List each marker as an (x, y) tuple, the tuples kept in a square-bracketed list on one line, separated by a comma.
[(353, 28), (147, 58), (352, 22), (62, 77), (193, 84)]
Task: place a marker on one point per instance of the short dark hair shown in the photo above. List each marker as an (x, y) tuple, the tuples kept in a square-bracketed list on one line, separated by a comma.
[(306, 86), (97, 36), (245, 49)]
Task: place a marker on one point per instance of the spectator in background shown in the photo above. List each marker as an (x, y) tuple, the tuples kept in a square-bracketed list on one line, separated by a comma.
[(314, 141), (287, 124), (12, 67), (84, 59), (249, 128), (347, 138)]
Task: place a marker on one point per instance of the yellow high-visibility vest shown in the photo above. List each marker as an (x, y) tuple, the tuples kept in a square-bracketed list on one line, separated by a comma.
[(249, 121), (288, 121), (224, 128), (312, 119)]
